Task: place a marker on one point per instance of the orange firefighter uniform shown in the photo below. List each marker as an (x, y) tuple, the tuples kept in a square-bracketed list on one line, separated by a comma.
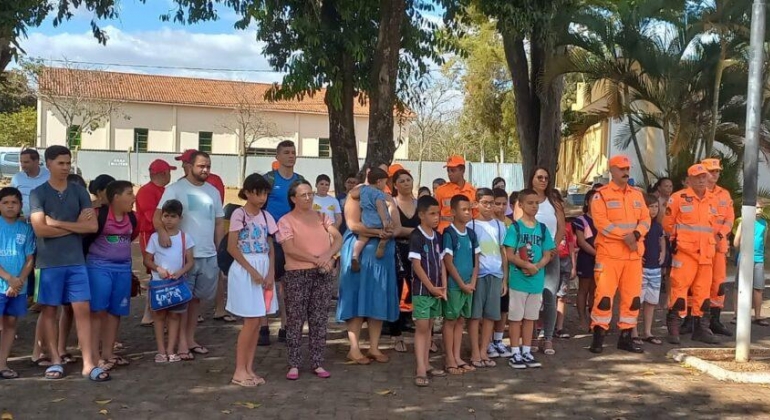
[(445, 193), (723, 224), (689, 221), (618, 211)]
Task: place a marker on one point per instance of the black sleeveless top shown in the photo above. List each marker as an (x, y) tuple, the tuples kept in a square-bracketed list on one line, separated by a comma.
[(409, 222)]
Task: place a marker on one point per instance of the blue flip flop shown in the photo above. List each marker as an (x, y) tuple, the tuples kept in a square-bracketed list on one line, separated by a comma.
[(96, 375), (54, 372)]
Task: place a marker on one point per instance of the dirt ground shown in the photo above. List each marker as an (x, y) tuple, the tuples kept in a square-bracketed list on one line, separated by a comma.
[(574, 384)]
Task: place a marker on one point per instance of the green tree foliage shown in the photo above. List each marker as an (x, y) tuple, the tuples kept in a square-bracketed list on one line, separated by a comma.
[(15, 91), (18, 128)]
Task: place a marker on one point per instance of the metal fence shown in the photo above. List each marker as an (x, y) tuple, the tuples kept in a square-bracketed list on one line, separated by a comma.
[(133, 167)]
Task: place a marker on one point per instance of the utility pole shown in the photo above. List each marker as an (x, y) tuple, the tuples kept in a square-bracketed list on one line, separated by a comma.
[(750, 178)]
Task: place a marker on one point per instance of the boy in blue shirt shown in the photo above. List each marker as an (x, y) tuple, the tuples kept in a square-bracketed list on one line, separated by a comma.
[(529, 248), (17, 246), (461, 257)]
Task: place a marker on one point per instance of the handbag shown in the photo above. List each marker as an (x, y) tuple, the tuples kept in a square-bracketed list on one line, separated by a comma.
[(165, 294)]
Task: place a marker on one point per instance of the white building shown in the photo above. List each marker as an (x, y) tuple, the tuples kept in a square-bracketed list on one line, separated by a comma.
[(171, 114)]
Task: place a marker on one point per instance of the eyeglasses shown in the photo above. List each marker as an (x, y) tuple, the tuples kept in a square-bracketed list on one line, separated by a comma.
[(486, 203), (541, 178), (306, 196)]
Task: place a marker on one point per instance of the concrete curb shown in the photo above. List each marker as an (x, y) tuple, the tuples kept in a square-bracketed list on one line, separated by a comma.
[(696, 359)]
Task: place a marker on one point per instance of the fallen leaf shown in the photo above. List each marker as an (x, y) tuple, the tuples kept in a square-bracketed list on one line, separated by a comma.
[(103, 411), (103, 402), (249, 405), (226, 411), (58, 400), (385, 392), (6, 416)]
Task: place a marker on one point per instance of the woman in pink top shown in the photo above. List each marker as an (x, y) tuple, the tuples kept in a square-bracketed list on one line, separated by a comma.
[(310, 242)]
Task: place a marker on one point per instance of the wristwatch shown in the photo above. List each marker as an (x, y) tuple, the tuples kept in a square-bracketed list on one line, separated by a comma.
[(637, 235)]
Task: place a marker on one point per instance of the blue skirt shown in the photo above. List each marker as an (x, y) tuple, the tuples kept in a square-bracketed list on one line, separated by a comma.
[(372, 292)]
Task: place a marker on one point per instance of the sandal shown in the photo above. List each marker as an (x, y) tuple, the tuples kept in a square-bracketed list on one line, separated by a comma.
[(225, 318), (438, 373), (454, 370), (637, 340), (360, 361), (561, 334), (8, 374), (322, 373), (478, 364), (489, 363), (466, 367), (106, 365), (186, 356), (653, 340), (761, 322), (67, 358), (293, 374), (433, 347), (41, 362), (379, 358), (161, 358), (199, 350), (98, 374), (54, 372), (246, 383), (421, 381), (119, 361), (173, 358), (548, 347), (400, 346)]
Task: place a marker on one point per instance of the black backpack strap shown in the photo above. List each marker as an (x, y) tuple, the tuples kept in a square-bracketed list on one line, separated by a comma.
[(101, 220)]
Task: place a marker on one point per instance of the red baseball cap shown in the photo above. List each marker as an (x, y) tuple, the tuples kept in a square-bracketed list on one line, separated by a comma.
[(455, 161), (186, 155), (159, 165)]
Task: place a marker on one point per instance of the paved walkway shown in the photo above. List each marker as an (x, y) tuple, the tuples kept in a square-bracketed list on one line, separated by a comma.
[(572, 384)]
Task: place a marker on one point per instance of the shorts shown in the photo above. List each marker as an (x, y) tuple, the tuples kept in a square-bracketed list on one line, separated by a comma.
[(758, 281), (280, 261), (524, 305), (505, 301), (486, 298), (13, 306), (426, 307), (203, 277), (585, 266), (458, 305), (110, 290), (60, 285), (651, 279)]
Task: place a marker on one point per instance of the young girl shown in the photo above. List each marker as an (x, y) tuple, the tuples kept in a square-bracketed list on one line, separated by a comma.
[(170, 263), (251, 279), (585, 233), (567, 258)]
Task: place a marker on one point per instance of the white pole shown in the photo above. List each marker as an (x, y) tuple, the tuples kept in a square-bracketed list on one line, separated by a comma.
[(750, 158)]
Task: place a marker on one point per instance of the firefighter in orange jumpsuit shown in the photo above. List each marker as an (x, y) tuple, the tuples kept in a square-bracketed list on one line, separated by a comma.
[(689, 221), (455, 170), (723, 203), (622, 219)]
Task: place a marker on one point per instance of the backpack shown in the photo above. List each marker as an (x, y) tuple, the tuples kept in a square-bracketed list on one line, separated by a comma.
[(101, 219), (455, 238), (515, 227), (224, 259)]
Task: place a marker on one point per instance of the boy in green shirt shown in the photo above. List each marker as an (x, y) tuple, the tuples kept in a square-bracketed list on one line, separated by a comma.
[(461, 258)]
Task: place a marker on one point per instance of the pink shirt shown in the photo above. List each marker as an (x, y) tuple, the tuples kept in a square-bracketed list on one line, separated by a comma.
[(252, 230), (312, 237)]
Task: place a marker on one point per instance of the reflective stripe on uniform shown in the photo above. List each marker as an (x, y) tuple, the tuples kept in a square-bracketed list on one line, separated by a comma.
[(694, 228), (644, 224), (612, 226), (601, 319), (630, 320), (676, 264), (447, 218)]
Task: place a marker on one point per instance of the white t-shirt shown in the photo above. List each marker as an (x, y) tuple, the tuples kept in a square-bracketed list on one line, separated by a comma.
[(171, 258), (491, 235), (327, 205), (202, 205)]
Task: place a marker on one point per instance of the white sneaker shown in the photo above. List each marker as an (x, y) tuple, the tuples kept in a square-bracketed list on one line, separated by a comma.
[(502, 349), (492, 351), (517, 362), (530, 361)]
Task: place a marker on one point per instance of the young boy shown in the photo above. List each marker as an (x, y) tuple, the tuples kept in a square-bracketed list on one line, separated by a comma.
[(108, 261), (652, 261), (16, 262), (497, 348), (493, 268), (374, 212), (461, 258), (428, 285), (324, 203), (528, 244), (170, 263)]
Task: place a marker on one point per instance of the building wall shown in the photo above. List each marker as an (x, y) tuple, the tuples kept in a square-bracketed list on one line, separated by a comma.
[(172, 128)]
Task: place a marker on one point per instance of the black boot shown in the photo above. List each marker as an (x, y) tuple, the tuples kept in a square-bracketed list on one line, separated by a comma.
[(716, 325), (702, 332), (598, 343), (626, 342), (672, 323), (687, 324)]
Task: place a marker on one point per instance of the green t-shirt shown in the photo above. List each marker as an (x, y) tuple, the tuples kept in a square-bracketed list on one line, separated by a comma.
[(529, 243), (463, 252)]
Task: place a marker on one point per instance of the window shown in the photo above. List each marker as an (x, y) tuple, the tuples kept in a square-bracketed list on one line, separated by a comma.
[(324, 148), (204, 141), (73, 137), (140, 139), (261, 151)]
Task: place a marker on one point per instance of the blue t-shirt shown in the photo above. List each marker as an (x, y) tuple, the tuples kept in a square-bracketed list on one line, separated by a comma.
[(278, 199), (25, 184), (652, 245), (368, 199), (463, 253), (17, 242), (530, 243), (760, 227)]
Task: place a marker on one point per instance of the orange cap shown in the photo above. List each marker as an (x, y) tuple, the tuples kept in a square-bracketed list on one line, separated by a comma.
[(392, 169), (697, 169), (454, 161), (275, 165), (620, 161), (712, 164)]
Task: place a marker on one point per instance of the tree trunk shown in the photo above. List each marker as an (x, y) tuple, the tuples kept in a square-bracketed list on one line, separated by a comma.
[(549, 138), (342, 133), (715, 104), (380, 144), (6, 53)]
